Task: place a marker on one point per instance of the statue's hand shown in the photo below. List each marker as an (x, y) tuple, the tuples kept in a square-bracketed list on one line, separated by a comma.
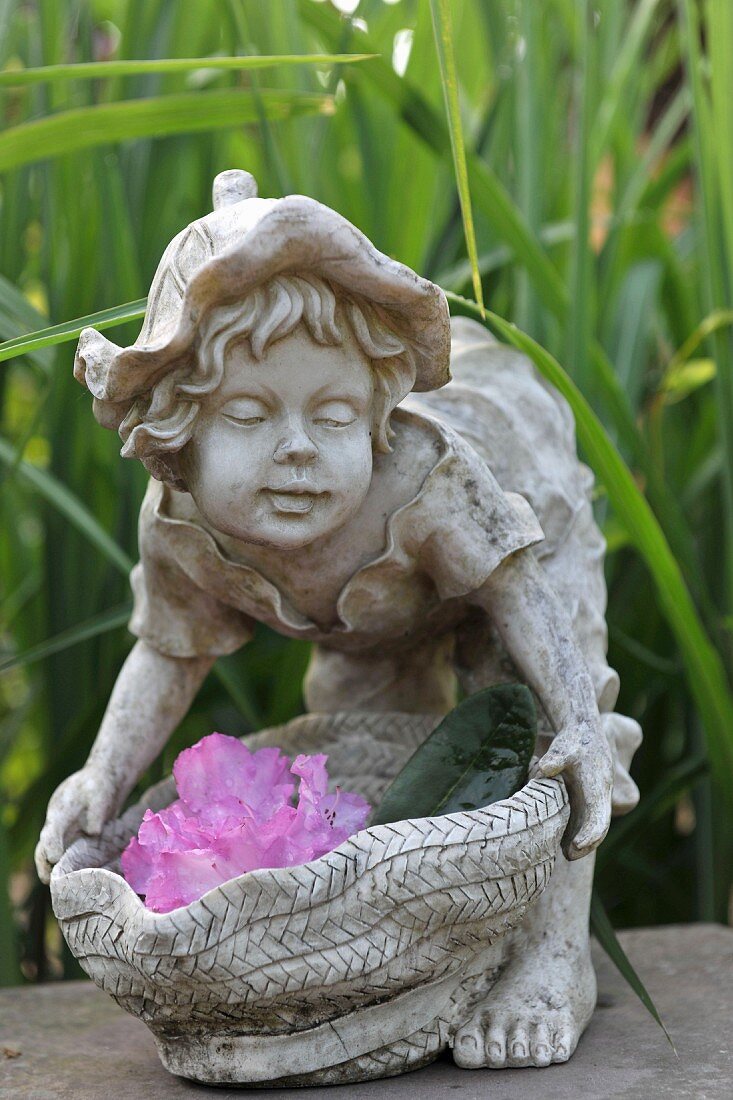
[(82, 804), (582, 756)]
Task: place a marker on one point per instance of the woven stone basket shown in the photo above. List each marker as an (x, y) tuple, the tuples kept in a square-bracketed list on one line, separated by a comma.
[(350, 967)]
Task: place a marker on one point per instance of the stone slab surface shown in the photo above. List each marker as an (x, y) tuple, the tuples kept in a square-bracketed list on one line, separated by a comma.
[(68, 1041)]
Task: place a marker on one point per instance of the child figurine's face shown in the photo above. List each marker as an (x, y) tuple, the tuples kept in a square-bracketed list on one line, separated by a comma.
[(281, 453)]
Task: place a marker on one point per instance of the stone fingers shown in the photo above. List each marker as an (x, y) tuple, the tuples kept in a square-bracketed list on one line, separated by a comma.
[(62, 822), (82, 804), (588, 773), (590, 786)]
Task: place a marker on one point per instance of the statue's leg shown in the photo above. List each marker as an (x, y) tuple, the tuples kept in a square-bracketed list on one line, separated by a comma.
[(537, 1009), (540, 1005)]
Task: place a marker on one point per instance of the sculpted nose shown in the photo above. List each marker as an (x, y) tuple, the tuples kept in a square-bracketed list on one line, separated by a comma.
[(296, 448)]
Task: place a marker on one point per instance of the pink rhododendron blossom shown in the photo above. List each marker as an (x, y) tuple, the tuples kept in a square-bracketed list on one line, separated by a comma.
[(236, 813)]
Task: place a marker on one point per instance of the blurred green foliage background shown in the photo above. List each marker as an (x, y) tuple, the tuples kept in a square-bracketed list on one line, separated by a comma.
[(600, 149)]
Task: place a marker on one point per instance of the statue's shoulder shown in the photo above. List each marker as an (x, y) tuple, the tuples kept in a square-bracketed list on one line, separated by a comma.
[(417, 448), (432, 465)]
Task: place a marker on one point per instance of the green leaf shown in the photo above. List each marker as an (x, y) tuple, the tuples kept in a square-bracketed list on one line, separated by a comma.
[(17, 316), (443, 31), (580, 312), (624, 73), (684, 375), (707, 676), (80, 632), (680, 778), (712, 128), (9, 962), (454, 277), (105, 123), (686, 379), (244, 704), (602, 929), (488, 191), (479, 753), (69, 505), (508, 221), (69, 330), (102, 70)]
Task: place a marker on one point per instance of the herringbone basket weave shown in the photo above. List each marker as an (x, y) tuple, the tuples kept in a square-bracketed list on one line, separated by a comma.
[(350, 967)]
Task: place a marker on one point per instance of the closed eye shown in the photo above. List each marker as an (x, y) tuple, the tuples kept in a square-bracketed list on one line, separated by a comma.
[(245, 411), (248, 420), (334, 414), (331, 422)]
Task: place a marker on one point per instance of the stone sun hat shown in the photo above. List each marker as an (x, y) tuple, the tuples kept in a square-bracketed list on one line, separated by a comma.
[(222, 256)]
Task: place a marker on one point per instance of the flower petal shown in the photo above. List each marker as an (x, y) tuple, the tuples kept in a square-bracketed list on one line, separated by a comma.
[(213, 769), (346, 813), (183, 877), (219, 772), (137, 866), (234, 816), (313, 776)]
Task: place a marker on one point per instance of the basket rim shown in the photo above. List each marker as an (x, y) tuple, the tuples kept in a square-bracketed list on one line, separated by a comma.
[(63, 881)]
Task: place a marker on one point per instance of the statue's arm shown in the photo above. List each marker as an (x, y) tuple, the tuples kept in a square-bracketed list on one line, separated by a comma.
[(538, 635), (152, 694)]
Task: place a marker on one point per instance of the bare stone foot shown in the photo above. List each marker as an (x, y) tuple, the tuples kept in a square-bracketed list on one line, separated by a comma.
[(534, 1014)]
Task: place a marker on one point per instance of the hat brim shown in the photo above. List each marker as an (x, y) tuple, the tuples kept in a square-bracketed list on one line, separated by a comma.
[(295, 235)]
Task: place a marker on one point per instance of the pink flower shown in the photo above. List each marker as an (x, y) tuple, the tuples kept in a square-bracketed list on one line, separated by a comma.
[(235, 814)]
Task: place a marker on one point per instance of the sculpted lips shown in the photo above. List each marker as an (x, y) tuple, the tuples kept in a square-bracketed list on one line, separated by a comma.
[(294, 498)]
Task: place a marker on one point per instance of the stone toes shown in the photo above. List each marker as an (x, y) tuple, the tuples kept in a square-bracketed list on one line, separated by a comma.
[(564, 1040), (498, 1043), (495, 1046), (468, 1049), (541, 1048), (517, 1046), (480, 1043)]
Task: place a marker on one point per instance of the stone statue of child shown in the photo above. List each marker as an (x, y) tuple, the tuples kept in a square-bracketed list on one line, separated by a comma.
[(296, 484)]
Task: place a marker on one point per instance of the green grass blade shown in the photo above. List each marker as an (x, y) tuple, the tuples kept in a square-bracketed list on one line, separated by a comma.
[(510, 224), (602, 929), (103, 624), (579, 326), (81, 632), (102, 70), (720, 38), (9, 964), (459, 274), (719, 318), (487, 190), (16, 312), (237, 694), (159, 116), (443, 31), (69, 505), (69, 330), (18, 316), (665, 152), (679, 778), (713, 134), (134, 310), (625, 69), (704, 666)]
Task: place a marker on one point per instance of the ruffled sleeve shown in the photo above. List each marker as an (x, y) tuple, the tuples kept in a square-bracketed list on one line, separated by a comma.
[(171, 612), (467, 524)]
